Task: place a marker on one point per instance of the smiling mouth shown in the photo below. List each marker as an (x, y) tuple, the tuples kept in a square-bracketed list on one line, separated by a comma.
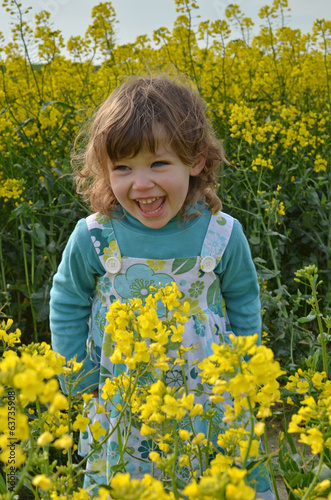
[(150, 206)]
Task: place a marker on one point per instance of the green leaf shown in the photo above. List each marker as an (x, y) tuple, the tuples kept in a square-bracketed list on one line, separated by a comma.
[(311, 316), (258, 260), (63, 104), (213, 292), (183, 265), (199, 390), (254, 239), (266, 274), (3, 487), (324, 474), (39, 234)]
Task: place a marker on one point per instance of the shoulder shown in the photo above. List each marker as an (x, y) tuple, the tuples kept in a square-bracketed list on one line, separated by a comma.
[(224, 222)]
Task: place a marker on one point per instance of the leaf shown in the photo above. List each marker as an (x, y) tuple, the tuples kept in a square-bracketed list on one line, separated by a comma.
[(4, 110), (258, 260), (63, 104), (39, 235), (311, 316), (199, 390), (213, 292), (254, 239), (324, 474), (266, 274), (275, 233), (183, 265), (40, 300), (3, 487)]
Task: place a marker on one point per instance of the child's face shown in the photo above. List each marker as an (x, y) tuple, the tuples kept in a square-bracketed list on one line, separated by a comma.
[(152, 187)]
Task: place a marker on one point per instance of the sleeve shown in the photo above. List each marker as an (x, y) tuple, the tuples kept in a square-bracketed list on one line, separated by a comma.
[(239, 285), (70, 302)]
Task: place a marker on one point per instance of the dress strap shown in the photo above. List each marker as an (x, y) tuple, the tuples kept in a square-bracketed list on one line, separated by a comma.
[(104, 241), (216, 240)]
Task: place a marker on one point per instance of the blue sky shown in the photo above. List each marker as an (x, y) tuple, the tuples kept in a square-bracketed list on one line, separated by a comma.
[(138, 17)]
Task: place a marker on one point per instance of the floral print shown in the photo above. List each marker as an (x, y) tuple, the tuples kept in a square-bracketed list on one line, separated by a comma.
[(205, 326), (196, 289), (111, 251), (96, 244), (214, 242), (138, 279), (105, 285), (156, 265)]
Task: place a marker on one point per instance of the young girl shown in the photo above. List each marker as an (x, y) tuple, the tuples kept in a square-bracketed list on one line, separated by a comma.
[(149, 173)]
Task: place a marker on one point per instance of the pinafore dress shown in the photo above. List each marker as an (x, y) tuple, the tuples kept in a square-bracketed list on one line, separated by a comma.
[(126, 278)]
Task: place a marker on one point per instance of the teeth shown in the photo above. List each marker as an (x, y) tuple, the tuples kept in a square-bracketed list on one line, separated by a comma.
[(147, 201)]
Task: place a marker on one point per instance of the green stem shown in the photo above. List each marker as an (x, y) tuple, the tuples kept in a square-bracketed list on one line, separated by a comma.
[(25, 260), (3, 274), (251, 434), (320, 327), (271, 470), (69, 453), (191, 423), (173, 472), (316, 478)]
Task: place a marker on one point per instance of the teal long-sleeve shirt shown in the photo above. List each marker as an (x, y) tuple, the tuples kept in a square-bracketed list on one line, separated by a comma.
[(75, 281)]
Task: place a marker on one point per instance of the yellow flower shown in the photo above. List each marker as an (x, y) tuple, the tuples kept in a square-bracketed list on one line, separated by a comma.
[(184, 434), (42, 481), (103, 494), (320, 164), (96, 430), (59, 402), (196, 410), (322, 486), (64, 443), (80, 423), (199, 438), (155, 457), (45, 438), (259, 428), (29, 384), (147, 430), (314, 438), (13, 452)]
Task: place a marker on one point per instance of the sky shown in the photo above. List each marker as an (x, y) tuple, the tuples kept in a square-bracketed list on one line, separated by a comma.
[(140, 17)]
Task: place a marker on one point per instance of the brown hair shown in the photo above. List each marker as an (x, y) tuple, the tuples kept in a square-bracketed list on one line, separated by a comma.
[(125, 124)]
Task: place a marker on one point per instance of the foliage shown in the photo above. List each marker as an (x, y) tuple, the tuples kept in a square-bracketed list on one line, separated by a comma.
[(37, 420), (268, 98)]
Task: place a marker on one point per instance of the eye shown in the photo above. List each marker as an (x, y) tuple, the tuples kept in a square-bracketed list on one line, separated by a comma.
[(120, 168), (160, 163)]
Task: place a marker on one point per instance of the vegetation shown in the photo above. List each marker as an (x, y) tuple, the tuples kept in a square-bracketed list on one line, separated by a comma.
[(268, 97)]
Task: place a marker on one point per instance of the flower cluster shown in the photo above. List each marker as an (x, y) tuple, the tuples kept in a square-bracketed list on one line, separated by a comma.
[(312, 420), (11, 189)]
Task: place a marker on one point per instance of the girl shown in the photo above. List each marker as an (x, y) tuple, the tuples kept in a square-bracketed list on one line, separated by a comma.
[(148, 173)]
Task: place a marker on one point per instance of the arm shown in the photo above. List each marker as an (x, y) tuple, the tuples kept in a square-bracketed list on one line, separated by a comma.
[(70, 303), (239, 284)]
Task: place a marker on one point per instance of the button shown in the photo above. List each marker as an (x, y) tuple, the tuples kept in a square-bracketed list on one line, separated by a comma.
[(208, 264), (113, 265)]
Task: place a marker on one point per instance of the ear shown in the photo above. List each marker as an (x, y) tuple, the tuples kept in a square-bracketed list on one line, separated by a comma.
[(198, 166)]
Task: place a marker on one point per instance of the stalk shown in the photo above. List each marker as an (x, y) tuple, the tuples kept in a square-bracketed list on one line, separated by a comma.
[(27, 281), (271, 470)]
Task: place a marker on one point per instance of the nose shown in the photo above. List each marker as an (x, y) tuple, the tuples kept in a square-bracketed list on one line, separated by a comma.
[(143, 180)]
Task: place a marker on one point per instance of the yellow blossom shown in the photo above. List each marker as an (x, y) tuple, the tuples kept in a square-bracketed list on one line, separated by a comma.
[(64, 443), (42, 481), (45, 438)]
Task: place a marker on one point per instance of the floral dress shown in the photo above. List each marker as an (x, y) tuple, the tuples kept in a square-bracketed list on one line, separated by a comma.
[(126, 278)]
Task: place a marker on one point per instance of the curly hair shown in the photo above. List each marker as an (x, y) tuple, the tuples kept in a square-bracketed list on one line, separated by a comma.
[(126, 123)]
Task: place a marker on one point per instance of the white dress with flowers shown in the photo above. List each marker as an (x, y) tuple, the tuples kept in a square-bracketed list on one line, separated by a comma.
[(126, 278)]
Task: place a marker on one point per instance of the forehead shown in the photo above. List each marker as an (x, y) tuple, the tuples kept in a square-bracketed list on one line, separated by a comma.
[(152, 138)]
